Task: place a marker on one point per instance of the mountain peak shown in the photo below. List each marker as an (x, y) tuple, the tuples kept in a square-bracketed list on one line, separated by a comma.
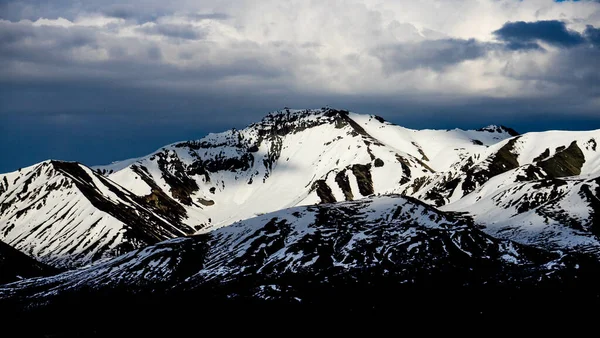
[(492, 128), (289, 121), (290, 115)]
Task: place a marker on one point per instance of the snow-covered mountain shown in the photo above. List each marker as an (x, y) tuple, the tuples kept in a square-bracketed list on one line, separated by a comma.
[(297, 158), (551, 212), (536, 188), (549, 197), (305, 157), (67, 215), (278, 256)]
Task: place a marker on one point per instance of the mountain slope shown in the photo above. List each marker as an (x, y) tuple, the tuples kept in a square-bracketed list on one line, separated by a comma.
[(313, 156), (295, 158), (553, 212), (394, 234), (538, 188), (372, 232), (379, 251), (66, 215)]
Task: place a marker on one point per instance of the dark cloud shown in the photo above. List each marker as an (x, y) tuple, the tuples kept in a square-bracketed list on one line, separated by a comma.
[(33, 10), (528, 33), (185, 31), (59, 55), (592, 35), (154, 53), (39, 47), (50, 45), (208, 16), (524, 46), (577, 70), (13, 33), (136, 11), (120, 11), (434, 54), (142, 15), (575, 67)]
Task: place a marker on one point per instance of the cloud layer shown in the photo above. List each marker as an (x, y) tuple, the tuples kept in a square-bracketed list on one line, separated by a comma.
[(337, 47), (186, 60)]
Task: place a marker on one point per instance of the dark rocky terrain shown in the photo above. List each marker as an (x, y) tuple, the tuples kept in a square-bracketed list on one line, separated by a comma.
[(386, 256), (15, 265)]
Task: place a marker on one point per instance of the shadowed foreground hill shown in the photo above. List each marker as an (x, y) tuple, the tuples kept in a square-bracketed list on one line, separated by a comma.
[(15, 265), (388, 255)]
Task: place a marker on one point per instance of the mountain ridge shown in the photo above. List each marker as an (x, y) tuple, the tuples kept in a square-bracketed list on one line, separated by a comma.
[(305, 157), (62, 211)]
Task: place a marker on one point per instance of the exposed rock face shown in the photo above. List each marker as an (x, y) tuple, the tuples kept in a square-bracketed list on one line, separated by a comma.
[(323, 191), (499, 129), (566, 162), (344, 183), (501, 162), (363, 178)]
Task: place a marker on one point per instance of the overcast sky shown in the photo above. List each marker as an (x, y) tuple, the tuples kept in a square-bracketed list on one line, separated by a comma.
[(102, 80)]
